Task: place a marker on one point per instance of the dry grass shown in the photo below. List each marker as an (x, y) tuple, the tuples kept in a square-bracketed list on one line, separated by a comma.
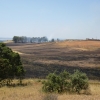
[(30, 92), (84, 45), (94, 90), (33, 92)]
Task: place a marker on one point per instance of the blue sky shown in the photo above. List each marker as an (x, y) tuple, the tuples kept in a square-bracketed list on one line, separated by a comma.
[(65, 19)]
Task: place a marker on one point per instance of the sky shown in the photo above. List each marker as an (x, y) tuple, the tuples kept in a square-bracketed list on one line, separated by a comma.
[(64, 19)]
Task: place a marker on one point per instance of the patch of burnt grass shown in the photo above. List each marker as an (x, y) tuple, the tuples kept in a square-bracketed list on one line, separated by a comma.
[(40, 70)]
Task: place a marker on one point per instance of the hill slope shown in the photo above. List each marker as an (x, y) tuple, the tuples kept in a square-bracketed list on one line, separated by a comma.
[(41, 59)]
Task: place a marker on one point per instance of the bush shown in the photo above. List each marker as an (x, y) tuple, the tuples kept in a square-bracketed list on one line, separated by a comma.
[(79, 81), (56, 83), (64, 82)]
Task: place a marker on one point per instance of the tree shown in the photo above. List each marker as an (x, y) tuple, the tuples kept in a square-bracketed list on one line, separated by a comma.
[(52, 40), (10, 64), (16, 39), (4, 70)]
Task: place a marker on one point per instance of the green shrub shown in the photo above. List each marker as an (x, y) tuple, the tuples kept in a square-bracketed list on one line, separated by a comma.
[(64, 82), (56, 83), (79, 81)]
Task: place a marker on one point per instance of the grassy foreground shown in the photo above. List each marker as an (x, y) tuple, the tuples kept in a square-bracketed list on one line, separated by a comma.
[(33, 91)]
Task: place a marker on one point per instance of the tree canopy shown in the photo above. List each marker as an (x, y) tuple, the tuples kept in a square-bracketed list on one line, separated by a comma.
[(10, 64)]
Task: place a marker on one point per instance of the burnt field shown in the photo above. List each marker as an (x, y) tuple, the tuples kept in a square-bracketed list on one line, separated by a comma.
[(41, 59)]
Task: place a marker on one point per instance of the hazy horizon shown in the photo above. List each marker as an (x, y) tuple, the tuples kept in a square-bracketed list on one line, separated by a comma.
[(64, 19)]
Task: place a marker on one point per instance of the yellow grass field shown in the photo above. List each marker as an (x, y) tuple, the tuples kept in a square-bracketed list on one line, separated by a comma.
[(33, 91)]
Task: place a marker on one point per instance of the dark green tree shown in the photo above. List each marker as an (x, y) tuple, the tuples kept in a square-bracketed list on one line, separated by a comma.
[(10, 64), (4, 70), (16, 39)]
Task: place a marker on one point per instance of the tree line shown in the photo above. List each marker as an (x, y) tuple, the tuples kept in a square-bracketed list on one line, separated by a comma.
[(24, 39)]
